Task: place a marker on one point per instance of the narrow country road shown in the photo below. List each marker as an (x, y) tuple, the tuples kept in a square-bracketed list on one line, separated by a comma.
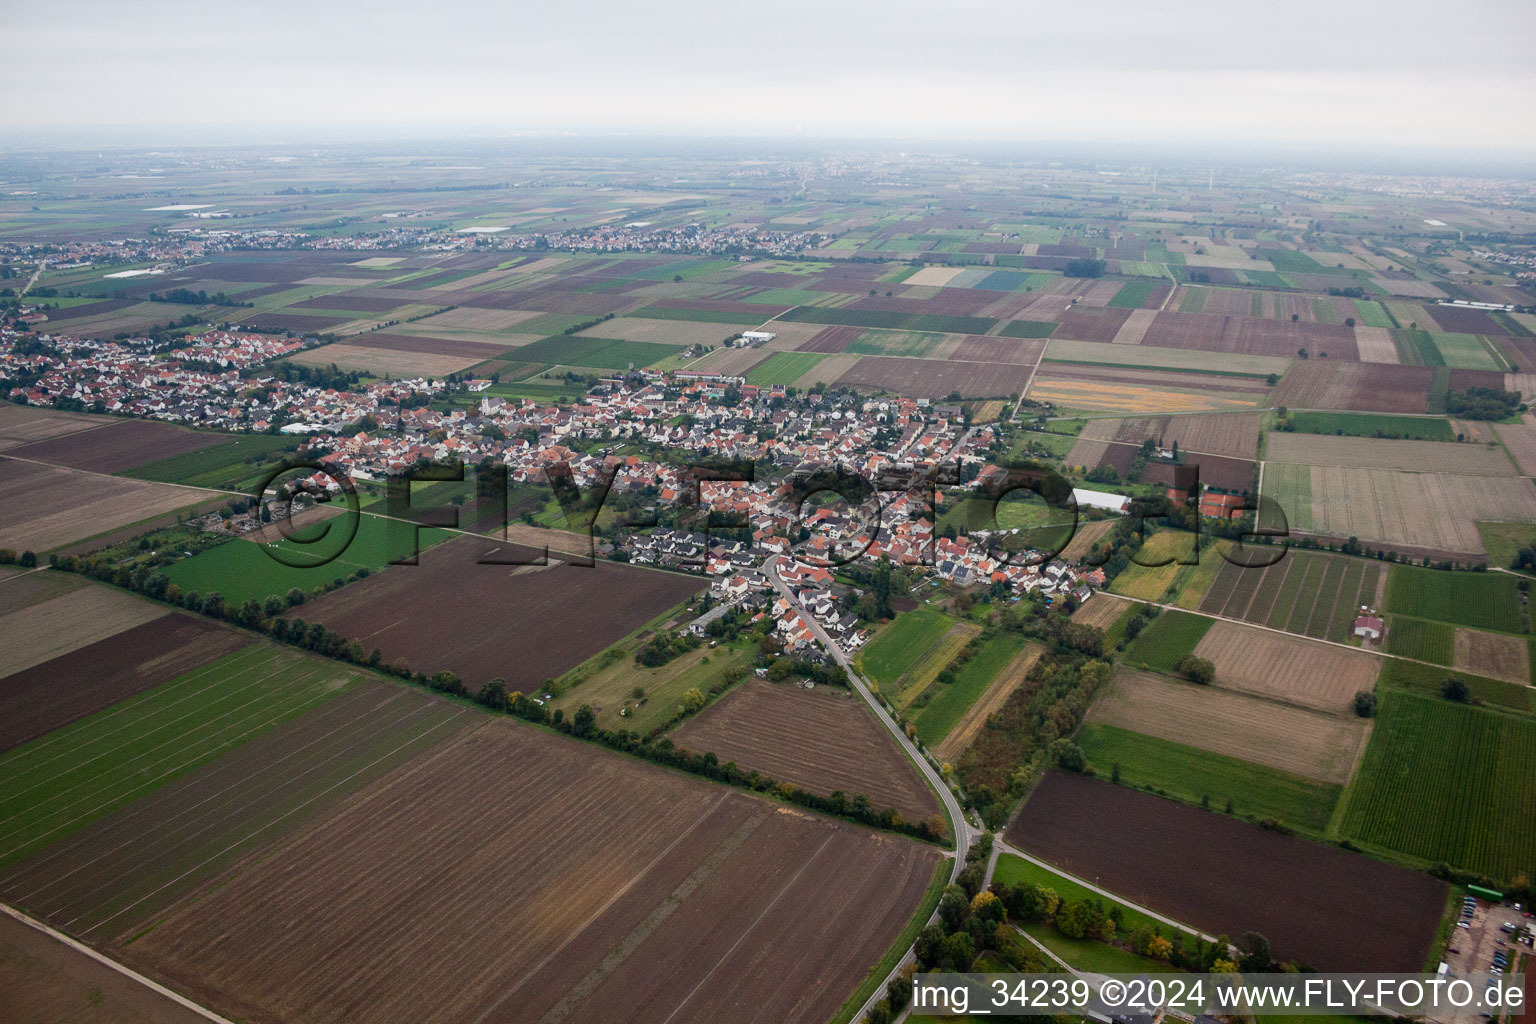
[(957, 823)]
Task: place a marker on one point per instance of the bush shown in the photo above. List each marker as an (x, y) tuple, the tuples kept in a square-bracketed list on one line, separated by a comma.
[(1365, 704), (1197, 670)]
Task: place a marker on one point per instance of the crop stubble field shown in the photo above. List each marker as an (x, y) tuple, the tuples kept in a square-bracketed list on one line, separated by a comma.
[(668, 924), (822, 740), (1287, 668)]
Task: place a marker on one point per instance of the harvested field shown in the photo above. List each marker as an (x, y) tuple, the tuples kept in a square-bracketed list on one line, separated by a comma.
[(1251, 336), (1376, 345), (1092, 324), (935, 378), (1310, 744), (999, 350), (989, 703), (1085, 537), (1109, 396), (47, 982), (137, 861), (733, 361), (23, 424), (1366, 387), (1287, 668), (460, 348), (104, 672), (1318, 905), (1214, 365), (1520, 439), (118, 445), (1102, 613), (1135, 328), (47, 506), (823, 740), (379, 362), (1386, 453), (48, 629), (521, 623), (708, 888), (479, 319), (662, 332), (1492, 654), (298, 323), (1235, 434), (1437, 511)]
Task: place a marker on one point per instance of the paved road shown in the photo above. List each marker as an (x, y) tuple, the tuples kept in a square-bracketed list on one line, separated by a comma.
[(957, 823)]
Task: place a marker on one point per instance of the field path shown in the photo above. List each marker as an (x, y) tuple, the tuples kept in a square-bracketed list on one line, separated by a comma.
[(134, 976)]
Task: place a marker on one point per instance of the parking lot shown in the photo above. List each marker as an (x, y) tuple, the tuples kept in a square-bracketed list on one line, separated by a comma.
[(1479, 937)]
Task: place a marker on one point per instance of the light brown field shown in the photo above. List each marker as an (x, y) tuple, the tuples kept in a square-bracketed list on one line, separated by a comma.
[(1085, 537), (1086, 452), (927, 667), (1524, 383), (1520, 439), (43, 631), (1376, 345), (479, 319), (1101, 612), (382, 362), (1492, 654), (1154, 357), (665, 332), (1308, 743), (1477, 431), (23, 424), (48, 506), (580, 886), (935, 276), (826, 371), (989, 703), (1135, 327), (1287, 668), (1387, 454), (1080, 394), (734, 361)]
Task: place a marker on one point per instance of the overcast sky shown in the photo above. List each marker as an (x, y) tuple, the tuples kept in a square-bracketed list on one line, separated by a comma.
[(1388, 72)]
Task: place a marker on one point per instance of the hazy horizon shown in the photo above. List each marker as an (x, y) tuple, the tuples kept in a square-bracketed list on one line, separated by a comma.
[(1326, 73)]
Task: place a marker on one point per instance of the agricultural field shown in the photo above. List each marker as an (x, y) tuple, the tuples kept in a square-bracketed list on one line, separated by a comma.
[(386, 362), (1480, 600), (235, 463), (72, 776), (936, 378), (1425, 511), (116, 445), (781, 368), (1150, 582), (1448, 782), (1124, 396), (1361, 424), (947, 704), (45, 622), (897, 648), (240, 569), (25, 424), (1492, 654), (1297, 741), (1318, 905), (1420, 639), (1195, 775), (823, 740), (103, 672), (1167, 639), (1233, 435), (520, 623), (1377, 453), (668, 923), (48, 507), (1287, 668), (1305, 592), (610, 691), (989, 703)]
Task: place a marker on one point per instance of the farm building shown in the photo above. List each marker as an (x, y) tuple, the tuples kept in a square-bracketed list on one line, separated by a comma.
[(757, 337), (1369, 626), (1100, 500)]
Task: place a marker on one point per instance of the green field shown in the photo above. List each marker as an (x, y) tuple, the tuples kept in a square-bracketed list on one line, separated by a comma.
[(1166, 639), (1504, 540), (900, 644), (950, 703), (705, 316), (894, 343), (1428, 679), (74, 775), (241, 569), (1421, 639), (1012, 870), (1190, 774), (889, 319), (1448, 782), (610, 691), (1028, 329), (783, 368), (598, 353), (1370, 424), (235, 463), (1373, 314), (1464, 352), (1486, 600), (1133, 295)]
